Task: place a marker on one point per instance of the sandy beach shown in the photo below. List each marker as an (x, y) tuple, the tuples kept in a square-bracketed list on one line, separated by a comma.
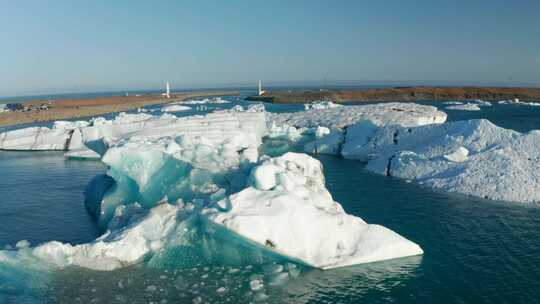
[(75, 108)]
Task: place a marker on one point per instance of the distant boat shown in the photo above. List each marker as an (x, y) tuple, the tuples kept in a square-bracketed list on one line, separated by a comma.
[(260, 96)]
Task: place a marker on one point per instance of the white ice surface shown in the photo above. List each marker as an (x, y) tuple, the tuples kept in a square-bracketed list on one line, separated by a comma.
[(115, 249), (175, 108), (288, 209), (215, 100), (518, 102), (405, 114), (35, 138), (472, 157), (464, 107), (320, 105)]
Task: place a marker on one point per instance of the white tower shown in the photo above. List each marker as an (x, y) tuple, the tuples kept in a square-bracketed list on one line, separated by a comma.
[(260, 88), (168, 92)]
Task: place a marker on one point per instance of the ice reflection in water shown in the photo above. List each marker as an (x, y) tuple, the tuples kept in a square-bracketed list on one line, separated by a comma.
[(273, 283)]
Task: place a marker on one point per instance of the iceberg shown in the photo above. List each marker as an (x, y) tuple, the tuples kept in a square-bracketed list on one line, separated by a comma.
[(395, 113), (516, 101), (338, 121), (465, 107), (473, 157), (175, 108), (88, 139), (215, 100), (320, 105), (287, 209), (482, 103), (36, 138), (282, 208)]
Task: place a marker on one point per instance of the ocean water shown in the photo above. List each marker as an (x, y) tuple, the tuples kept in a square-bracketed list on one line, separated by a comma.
[(476, 251)]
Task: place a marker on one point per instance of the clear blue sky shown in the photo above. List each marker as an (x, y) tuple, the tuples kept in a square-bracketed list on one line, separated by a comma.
[(66, 46)]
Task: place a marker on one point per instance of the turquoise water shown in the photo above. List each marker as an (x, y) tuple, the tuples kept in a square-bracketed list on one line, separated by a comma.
[(476, 251)]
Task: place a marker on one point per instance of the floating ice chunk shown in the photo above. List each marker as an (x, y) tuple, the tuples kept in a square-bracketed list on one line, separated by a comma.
[(115, 249), (465, 107), (320, 105), (453, 103), (405, 114), (22, 244), (301, 221), (472, 157), (70, 125), (215, 100), (482, 103), (35, 138), (175, 108), (256, 285), (516, 101)]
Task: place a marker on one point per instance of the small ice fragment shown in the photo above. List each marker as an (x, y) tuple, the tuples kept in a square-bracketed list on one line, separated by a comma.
[(22, 244), (279, 279), (197, 300), (261, 296), (256, 285), (272, 268)]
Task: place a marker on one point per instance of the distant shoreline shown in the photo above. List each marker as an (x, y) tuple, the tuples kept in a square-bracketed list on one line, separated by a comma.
[(401, 94), (85, 107)]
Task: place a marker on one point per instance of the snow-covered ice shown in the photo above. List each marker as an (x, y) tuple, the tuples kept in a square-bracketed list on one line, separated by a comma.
[(162, 179), (82, 139), (35, 138), (215, 100), (464, 107), (482, 103), (473, 157), (287, 209), (395, 113), (516, 101), (175, 108), (320, 105)]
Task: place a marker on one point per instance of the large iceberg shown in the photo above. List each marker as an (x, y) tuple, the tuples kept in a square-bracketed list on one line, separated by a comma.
[(176, 186), (287, 208), (395, 113), (473, 157), (83, 139), (281, 207), (36, 138)]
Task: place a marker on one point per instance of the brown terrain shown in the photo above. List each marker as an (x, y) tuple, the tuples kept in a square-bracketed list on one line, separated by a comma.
[(403, 94), (76, 108)]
